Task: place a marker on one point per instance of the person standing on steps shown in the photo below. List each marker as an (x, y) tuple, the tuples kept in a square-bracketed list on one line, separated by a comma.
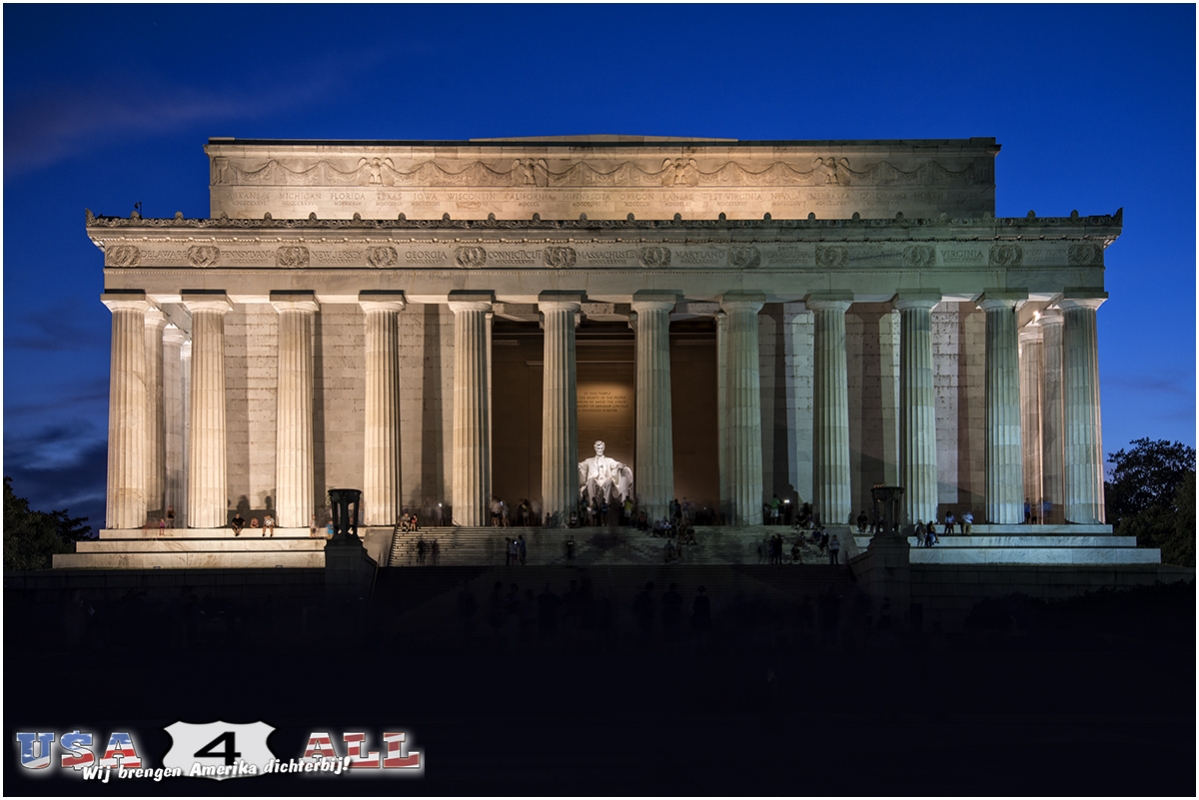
[(834, 549)]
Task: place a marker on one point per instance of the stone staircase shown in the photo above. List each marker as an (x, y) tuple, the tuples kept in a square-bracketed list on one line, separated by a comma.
[(487, 546), (195, 548), (1082, 545)]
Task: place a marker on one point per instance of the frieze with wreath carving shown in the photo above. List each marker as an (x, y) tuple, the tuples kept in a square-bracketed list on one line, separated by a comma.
[(559, 257), (1084, 255), (123, 255), (654, 257), (471, 256), (204, 255), (291, 256), (1005, 255), (832, 257), (744, 256), (382, 257)]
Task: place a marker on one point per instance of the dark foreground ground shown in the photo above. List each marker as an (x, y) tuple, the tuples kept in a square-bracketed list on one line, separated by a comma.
[(1097, 698)]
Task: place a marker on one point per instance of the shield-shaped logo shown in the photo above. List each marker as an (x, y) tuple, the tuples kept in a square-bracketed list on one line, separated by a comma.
[(220, 749)]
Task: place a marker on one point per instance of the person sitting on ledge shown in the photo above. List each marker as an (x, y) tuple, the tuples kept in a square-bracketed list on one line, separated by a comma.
[(268, 524), (863, 521), (254, 523), (237, 523)]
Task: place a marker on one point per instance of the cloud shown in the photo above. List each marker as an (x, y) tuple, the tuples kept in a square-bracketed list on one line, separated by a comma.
[(89, 393), (78, 484), (58, 122), (1171, 383)]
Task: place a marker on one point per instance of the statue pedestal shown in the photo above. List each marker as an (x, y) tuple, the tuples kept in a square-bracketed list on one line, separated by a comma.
[(883, 571), (349, 571)]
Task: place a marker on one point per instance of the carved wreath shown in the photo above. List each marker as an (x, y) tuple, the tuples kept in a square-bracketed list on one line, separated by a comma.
[(381, 257), (559, 257), (471, 256), (654, 257), (1084, 255), (204, 255), (744, 256), (919, 255), (1006, 255), (124, 255), (291, 256), (831, 257)]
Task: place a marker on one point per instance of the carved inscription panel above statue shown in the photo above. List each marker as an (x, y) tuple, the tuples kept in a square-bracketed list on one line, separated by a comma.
[(515, 180)]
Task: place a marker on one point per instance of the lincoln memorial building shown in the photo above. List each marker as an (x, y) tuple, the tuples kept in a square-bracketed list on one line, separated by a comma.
[(443, 323)]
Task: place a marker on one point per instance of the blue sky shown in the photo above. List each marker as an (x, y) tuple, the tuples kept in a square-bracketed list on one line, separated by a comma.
[(108, 106)]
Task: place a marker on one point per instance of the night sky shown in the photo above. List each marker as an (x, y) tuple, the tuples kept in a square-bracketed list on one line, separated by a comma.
[(105, 107)]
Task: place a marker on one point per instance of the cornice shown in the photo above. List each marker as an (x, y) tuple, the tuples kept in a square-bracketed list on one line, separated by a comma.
[(1103, 226)]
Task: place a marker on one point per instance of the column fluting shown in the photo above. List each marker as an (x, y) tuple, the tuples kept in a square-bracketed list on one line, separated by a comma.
[(1053, 448), (294, 502), (559, 404), (1032, 368), (127, 441), (653, 475), (743, 409), (472, 435), (156, 323), (1005, 455), (173, 420), (382, 496), (830, 409), (1084, 500), (207, 476), (722, 428), (917, 407)]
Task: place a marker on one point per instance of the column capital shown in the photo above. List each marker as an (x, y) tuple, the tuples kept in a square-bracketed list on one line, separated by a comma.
[(994, 299), (1081, 298), (917, 300), (126, 301), (1051, 316), (206, 300), (470, 301), (654, 301), (173, 336), (294, 301), (386, 300), (155, 319), (743, 301), (829, 301), (561, 301)]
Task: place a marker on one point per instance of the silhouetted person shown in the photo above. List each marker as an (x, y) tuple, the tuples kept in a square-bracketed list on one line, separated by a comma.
[(467, 608), (643, 607), (547, 613)]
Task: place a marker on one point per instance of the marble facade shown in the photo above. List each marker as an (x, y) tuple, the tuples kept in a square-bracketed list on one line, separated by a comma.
[(857, 312)]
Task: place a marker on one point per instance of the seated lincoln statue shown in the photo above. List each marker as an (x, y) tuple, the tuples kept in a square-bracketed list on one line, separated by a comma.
[(604, 478)]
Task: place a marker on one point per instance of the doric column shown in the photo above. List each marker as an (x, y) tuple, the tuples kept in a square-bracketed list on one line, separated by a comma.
[(1032, 367), (1053, 449), (1084, 426), (1005, 457), (172, 412), (472, 435), (382, 500), (654, 471), (722, 408), (830, 409), (185, 367), (127, 473), (743, 409), (559, 405), (207, 478), (156, 322), (917, 406), (294, 502)]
